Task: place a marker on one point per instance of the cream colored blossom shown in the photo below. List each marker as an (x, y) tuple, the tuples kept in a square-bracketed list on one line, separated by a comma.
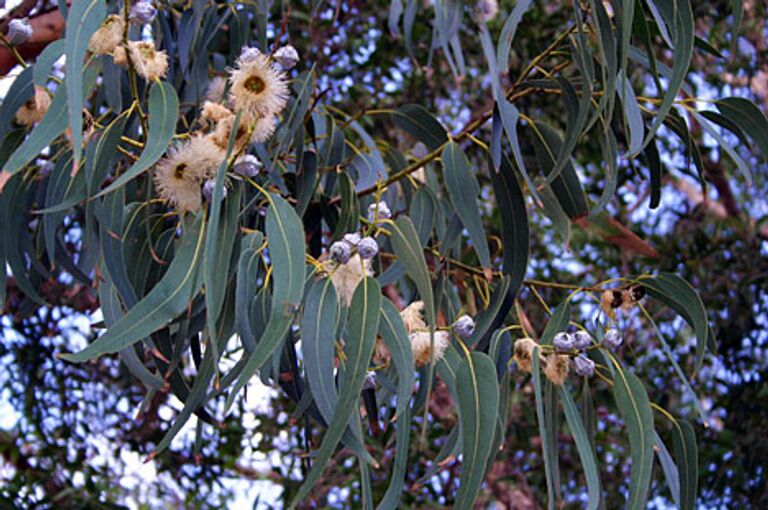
[(147, 61), (108, 36), (412, 316), (214, 112), (216, 88), (180, 175), (524, 354), (421, 346), (556, 368), (35, 109), (258, 88), (346, 277), (263, 129), (120, 56), (220, 135)]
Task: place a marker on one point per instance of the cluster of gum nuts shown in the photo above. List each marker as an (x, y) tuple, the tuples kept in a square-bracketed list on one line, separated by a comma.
[(580, 341)]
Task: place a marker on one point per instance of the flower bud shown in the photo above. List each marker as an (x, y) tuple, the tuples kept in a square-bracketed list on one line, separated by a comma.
[(581, 340), (248, 166), (341, 252), (142, 13), (563, 342), (367, 248), (584, 366), (287, 57), (209, 187), (248, 54), (352, 239), (464, 326), (380, 210), (612, 339), (19, 31)]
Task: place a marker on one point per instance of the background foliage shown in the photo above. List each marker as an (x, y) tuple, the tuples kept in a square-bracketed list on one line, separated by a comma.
[(558, 103)]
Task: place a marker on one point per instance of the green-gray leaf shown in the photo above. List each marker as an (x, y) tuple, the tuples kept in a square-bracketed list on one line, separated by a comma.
[(478, 401)]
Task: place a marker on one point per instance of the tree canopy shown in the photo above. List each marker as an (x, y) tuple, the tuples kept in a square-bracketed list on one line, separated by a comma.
[(384, 254)]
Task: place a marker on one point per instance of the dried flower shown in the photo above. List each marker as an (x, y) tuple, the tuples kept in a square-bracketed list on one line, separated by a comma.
[(19, 31), (257, 88), (613, 339), (248, 166), (412, 316), (524, 353), (563, 342), (609, 301), (584, 366), (215, 91), (347, 276), (148, 62), (35, 109), (340, 252), (120, 56), (108, 36), (379, 210), (381, 354), (368, 248), (422, 346), (214, 112), (464, 326), (631, 296), (557, 367), (287, 57), (486, 10), (220, 135), (581, 340), (180, 175), (142, 13)]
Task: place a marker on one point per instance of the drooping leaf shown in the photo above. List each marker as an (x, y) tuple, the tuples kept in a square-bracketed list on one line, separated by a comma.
[(678, 294), (286, 244), (422, 125), (748, 117), (508, 32), (584, 447), (464, 191), (318, 334), (395, 337), (167, 300), (548, 448), (405, 243), (84, 19), (514, 222), (362, 327), (478, 402), (680, 19), (163, 113), (687, 456), (635, 408)]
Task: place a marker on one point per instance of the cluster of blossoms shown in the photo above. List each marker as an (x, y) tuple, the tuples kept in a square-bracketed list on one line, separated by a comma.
[(110, 39), (258, 89), (425, 346), (557, 364)]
